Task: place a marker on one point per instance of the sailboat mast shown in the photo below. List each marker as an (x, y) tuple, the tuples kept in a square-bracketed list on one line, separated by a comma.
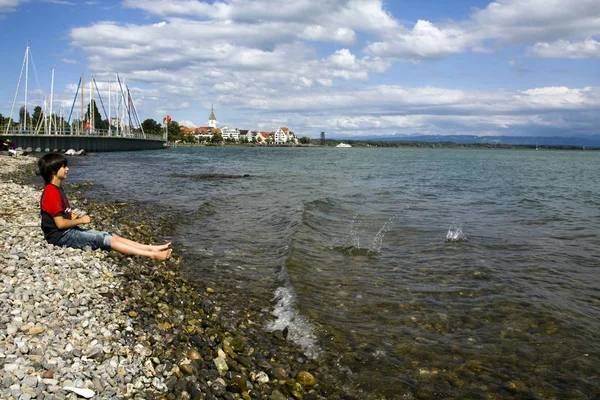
[(51, 95), (26, 81), (10, 119), (117, 106), (109, 124), (82, 101), (91, 116)]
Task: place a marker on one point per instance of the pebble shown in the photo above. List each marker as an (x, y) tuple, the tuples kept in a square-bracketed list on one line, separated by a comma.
[(117, 325), (54, 308)]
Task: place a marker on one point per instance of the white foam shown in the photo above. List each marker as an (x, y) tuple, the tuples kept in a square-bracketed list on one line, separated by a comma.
[(455, 234), (300, 331)]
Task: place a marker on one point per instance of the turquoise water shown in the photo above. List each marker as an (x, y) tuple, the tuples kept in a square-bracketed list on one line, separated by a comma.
[(414, 273)]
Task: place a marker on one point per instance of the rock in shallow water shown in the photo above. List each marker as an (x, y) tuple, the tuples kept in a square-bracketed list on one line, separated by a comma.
[(118, 325)]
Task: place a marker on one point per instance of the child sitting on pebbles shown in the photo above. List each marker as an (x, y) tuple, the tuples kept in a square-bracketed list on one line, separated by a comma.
[(61, 224)]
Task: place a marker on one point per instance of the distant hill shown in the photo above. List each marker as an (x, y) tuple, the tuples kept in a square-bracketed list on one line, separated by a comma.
[(591, 141)]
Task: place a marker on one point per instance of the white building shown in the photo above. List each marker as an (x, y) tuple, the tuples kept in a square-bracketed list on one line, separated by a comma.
[(252, 135), (283, 136), (230, 133)]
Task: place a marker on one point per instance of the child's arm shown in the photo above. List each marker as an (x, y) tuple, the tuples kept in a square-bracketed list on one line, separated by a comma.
[(63, 223)]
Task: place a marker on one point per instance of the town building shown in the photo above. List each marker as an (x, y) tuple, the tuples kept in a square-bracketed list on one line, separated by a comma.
[(283, 136), (230, 133), (206, 133)]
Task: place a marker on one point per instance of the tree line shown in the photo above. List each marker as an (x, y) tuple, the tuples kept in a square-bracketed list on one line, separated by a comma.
[(36, 122)]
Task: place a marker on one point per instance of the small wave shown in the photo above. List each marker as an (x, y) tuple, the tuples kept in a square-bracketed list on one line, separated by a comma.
[(455, 234), (299, 329), (209, 176), (353, 251)]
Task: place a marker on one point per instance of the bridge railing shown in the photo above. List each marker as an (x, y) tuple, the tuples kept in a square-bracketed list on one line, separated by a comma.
[(135, 134)]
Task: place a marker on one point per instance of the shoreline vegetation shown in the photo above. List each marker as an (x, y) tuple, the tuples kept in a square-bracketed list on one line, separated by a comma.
[(127, 327), (315, 143)]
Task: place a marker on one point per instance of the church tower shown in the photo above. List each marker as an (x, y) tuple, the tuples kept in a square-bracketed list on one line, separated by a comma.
[(212, 121)]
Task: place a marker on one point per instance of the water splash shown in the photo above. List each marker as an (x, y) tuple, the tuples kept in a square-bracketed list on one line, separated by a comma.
[(351, 246), (287, 316), (378, 239), (455, 234), (354, 233)]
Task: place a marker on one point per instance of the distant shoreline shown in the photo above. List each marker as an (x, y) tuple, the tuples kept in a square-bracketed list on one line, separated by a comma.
[(401, 144), (453, 145)]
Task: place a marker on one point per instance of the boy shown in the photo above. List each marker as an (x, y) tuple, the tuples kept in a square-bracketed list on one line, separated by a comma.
[(61, 225)]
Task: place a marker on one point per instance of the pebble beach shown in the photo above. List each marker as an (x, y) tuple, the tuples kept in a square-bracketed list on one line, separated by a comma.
[(93, 324)]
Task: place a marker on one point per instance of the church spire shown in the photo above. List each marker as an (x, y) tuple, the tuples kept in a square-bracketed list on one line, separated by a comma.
[(212, 114), (212, 120)]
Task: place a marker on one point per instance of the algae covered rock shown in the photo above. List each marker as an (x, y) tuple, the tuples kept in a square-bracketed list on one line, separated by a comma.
[(306, 379), (238, 344)]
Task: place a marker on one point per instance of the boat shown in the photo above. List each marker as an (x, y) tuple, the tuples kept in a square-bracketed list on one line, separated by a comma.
[(343, 145)]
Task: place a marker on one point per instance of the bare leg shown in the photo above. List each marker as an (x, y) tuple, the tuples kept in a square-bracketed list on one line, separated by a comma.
[(141, 246), (124, 248)]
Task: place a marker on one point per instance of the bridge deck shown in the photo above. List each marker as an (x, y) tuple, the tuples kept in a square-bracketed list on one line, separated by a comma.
[(89, 143)]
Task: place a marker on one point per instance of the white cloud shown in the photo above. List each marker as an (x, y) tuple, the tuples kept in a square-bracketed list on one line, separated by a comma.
[(502, 23), (424, 41), (589, 48), (524, 21), (323, 33), (61, 2), (7, 6), (333, 20), (561, 98), (262, 63), (188, 123)]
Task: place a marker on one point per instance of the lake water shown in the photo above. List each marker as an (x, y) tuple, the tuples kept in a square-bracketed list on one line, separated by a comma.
[(415, 273)]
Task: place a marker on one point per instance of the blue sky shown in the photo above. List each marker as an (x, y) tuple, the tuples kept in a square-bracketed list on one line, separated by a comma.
[(346, 67)]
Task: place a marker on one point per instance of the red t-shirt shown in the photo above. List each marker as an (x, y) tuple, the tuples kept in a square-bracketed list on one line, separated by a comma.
[(54, 202)]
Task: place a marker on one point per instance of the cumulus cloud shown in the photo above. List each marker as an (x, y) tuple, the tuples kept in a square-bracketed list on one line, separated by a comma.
[(424, 41), (524, 21), (7, 6), (263, 61), (589, 48), (502, 23)]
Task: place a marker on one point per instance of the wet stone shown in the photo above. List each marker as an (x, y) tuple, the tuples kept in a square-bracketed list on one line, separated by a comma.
[(237, 385), (125, 327), (217, 389), (238, 345), (306, 379)]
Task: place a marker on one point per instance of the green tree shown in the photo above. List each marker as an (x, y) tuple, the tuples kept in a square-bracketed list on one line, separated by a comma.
[(22, 117), (36, 117), (99, 123), (151, 127), (174, 131), (305, 140), (216, 138)]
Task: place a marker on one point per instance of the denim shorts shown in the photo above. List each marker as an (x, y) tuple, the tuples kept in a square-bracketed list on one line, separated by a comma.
[(81, 238)]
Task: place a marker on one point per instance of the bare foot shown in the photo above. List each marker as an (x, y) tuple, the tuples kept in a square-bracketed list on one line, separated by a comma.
[(162, 255), (161, 247)]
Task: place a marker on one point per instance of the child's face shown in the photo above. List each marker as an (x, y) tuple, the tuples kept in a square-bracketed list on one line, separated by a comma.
[(62, 173)]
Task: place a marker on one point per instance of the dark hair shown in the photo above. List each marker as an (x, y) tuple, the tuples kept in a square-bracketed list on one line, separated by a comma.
[(49, 165)]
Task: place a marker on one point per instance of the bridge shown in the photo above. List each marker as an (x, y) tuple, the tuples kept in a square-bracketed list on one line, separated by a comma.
[(91, 142)]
